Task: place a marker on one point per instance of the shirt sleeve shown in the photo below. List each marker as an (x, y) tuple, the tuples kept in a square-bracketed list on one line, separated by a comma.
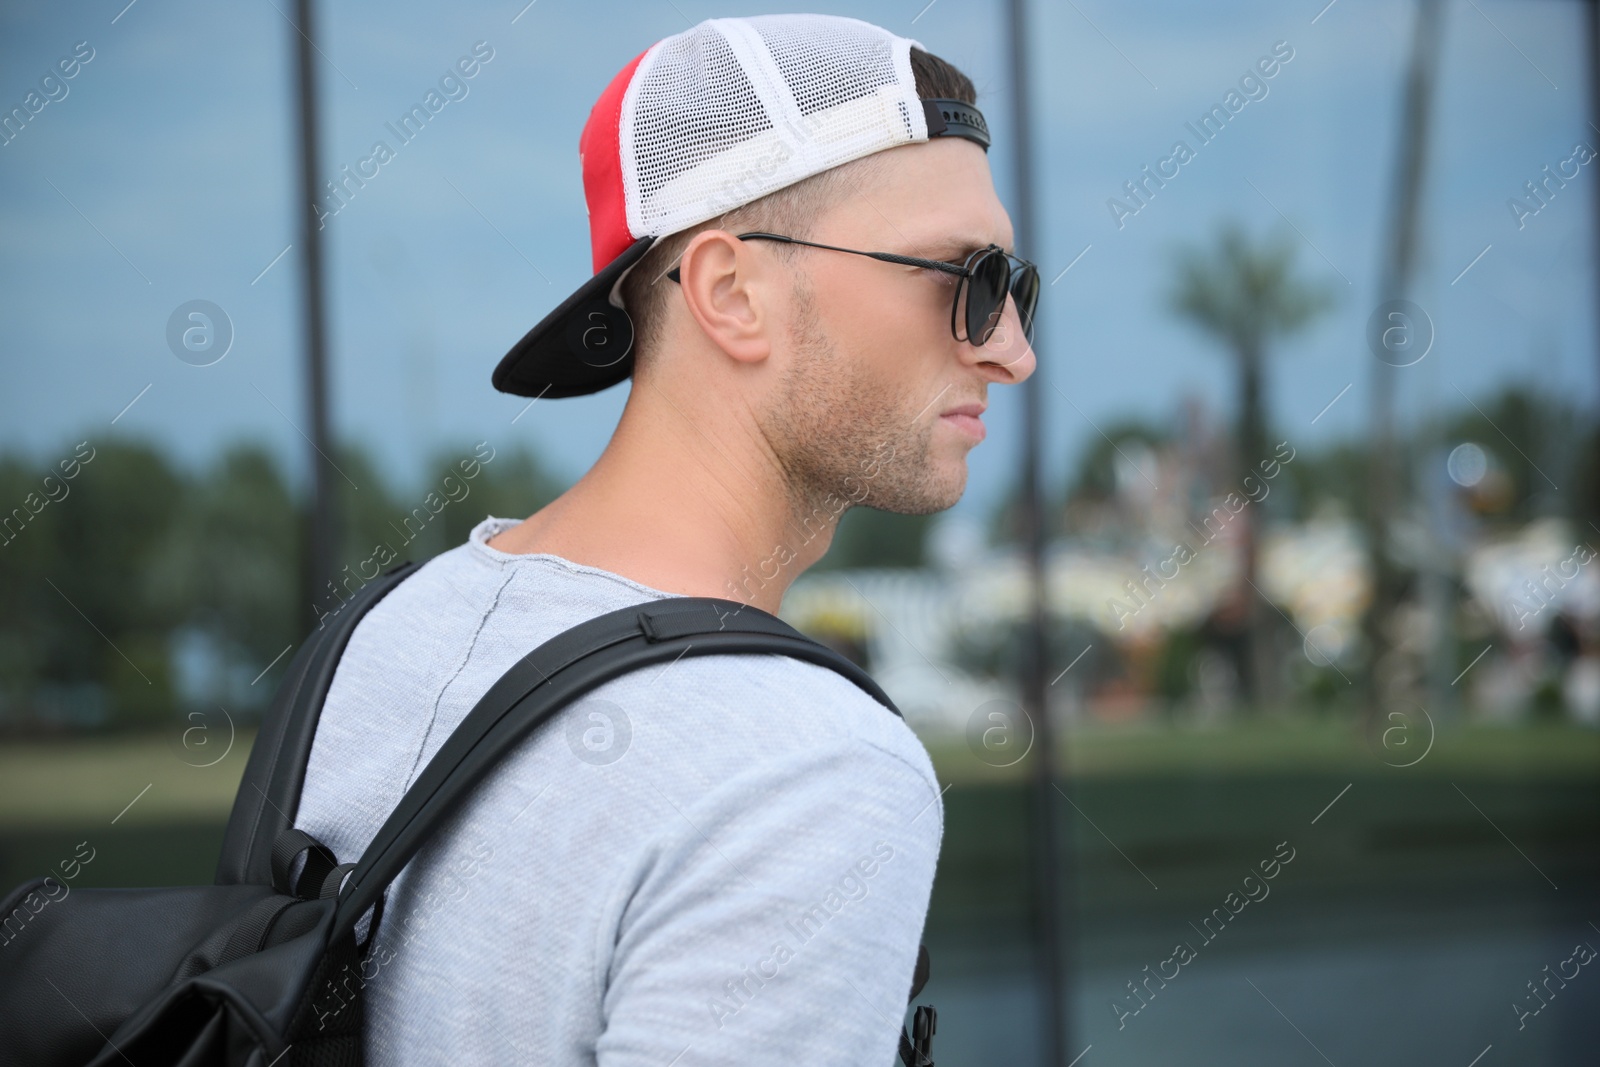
[(776, 918)]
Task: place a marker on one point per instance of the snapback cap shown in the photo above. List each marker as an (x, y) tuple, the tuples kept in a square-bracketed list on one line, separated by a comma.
[(705, 121)]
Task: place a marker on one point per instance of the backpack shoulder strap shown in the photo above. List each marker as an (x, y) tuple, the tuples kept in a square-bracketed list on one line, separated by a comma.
[(557, 672), (269, 793)]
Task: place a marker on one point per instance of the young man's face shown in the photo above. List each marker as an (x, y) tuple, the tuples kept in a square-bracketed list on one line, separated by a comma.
[(874, 362)]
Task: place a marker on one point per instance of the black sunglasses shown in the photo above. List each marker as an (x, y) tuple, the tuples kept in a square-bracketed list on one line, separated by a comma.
[(987, 276)]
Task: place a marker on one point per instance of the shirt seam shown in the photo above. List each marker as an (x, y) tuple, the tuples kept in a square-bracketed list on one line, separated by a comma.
[(433, 719), (572, 567), (929, 779), (583, 570)]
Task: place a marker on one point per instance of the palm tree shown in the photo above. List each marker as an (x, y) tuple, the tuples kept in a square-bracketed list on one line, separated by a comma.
[(1246, 296)]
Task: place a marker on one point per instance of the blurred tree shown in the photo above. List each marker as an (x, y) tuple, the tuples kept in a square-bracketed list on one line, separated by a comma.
[(367, 511), (1096, 475), (84, 607), (28, 550), (193, 577), (1004, 524), (1585, 497), (1534, 440), (459, 488), (229, 567), (1335, 473), (1175, 669), (1117, 452), (511, 484), (1246, 296), (867, 537), (1090, 487)]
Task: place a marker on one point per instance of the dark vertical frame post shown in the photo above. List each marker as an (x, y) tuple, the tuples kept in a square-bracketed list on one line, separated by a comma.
[(1054, 988), (321, 534), (1591, 35), (1396, 273)]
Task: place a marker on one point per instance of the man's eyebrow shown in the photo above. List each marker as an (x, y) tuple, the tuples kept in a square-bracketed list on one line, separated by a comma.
[(953, 248)]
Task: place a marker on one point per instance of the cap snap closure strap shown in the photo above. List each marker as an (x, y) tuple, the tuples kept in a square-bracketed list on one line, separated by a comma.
[(952, 118)]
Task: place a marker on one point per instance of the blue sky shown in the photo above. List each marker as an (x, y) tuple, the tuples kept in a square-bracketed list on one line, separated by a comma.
[(165, 175)]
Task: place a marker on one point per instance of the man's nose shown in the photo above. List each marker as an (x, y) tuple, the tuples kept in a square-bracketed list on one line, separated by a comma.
[(1008, 354)]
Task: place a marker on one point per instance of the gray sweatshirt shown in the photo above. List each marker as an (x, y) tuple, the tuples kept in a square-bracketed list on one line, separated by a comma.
[(722, 860)]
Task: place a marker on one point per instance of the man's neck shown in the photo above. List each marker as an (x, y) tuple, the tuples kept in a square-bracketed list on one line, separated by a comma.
[(695, 510)]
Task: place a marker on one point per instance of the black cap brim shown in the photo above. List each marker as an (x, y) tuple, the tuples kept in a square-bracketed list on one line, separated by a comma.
[(583, 346)]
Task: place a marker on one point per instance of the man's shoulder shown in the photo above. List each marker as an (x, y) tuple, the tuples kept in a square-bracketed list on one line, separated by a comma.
[(789, 703), (461, 620)]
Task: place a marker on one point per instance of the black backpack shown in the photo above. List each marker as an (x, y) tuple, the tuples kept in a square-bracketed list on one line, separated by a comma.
[(261, 970)]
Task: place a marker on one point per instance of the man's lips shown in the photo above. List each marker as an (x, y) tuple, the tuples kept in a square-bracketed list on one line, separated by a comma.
[(967, 418)]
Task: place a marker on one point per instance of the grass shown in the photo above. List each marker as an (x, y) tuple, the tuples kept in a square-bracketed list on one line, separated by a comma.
[(83, 781), (92, 781), (1298, 746)]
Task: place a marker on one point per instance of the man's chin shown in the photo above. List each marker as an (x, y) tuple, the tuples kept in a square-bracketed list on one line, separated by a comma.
[(920, 499)]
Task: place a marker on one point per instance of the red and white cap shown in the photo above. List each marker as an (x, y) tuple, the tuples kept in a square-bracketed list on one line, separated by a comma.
[(705, 121)]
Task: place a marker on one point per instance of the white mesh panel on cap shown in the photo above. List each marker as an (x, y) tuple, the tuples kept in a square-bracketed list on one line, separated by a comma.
[(828, 62), (733, 109)]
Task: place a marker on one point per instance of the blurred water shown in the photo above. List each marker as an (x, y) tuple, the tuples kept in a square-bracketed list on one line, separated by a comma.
[(1438, 994)]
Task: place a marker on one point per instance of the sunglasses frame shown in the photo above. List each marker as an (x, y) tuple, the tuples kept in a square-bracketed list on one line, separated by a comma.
[(966, 271)]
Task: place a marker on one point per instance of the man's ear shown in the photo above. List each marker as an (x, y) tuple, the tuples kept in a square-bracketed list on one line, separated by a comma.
[(727, 291)]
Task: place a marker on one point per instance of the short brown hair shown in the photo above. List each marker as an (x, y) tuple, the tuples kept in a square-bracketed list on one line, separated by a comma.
[(791, 210)]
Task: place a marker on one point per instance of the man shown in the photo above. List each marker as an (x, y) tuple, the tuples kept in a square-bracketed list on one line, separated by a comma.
[(727, 860)]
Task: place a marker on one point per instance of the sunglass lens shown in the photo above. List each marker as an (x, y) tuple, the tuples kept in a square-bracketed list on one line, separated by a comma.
[(1025, 291), (986, 295)]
